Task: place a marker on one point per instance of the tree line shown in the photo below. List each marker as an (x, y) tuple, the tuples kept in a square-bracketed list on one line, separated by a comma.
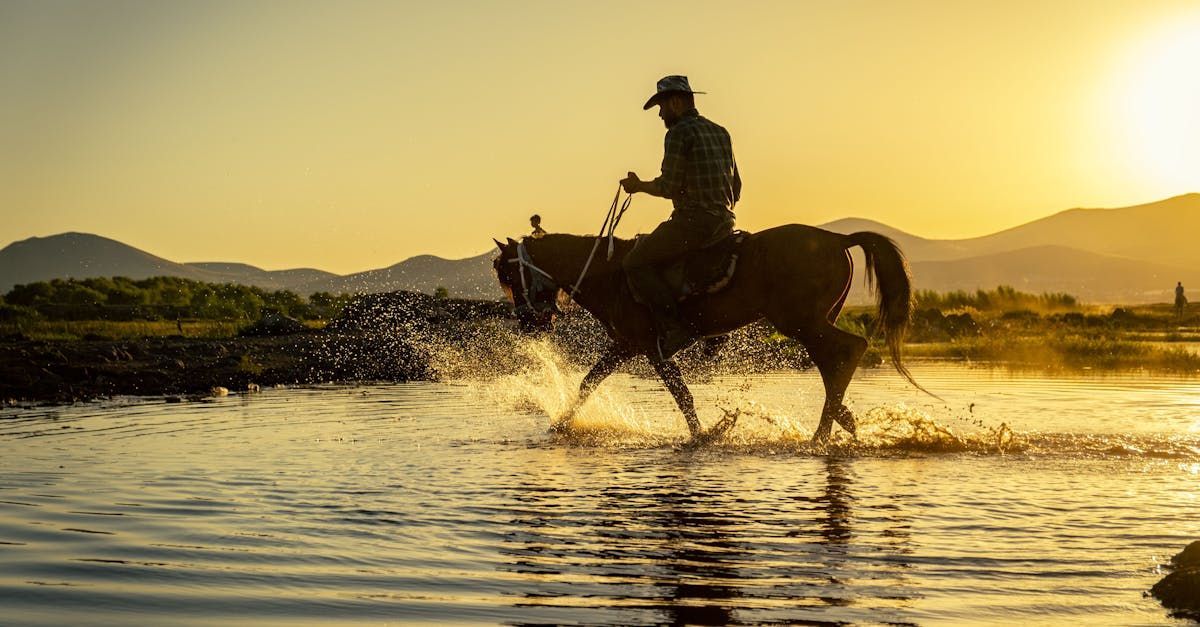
[(160, 298), (173, 298)]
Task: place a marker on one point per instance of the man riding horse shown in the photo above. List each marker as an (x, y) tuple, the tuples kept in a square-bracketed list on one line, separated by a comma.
[(700, 177), (793, 276)]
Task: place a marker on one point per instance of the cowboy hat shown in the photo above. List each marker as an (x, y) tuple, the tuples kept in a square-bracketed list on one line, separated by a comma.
[(670, 85)]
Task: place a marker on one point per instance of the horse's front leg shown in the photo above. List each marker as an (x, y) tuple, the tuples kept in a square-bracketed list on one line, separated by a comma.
[(824, 427), (831, 412), (671, 377), (608, 364)]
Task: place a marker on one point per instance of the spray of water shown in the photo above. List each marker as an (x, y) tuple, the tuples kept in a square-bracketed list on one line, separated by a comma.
[(541, 378), (548, 385), (535, 377)]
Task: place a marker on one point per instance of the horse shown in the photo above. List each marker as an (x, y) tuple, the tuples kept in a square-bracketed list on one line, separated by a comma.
[(795, 276)]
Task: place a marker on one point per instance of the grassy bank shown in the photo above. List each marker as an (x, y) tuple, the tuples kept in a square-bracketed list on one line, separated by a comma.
[(1050, 332), (1065, 351), (1002, 326), (73, 330)]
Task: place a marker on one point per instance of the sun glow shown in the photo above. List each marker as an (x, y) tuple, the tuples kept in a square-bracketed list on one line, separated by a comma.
[(1160, 105)]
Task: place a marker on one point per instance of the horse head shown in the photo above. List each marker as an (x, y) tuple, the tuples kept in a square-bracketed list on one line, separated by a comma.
[(533, 293)]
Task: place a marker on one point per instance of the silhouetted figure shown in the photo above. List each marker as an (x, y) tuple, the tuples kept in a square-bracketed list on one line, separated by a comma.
[(535, 221), (701, 178), (1180, 299)]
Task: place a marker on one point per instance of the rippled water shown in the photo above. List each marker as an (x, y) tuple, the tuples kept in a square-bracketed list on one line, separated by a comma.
[(451, 503)]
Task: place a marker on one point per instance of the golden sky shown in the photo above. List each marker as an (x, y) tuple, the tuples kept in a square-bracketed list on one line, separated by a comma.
[(352, 135)]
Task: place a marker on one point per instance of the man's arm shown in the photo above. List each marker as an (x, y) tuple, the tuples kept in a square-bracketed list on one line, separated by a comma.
[(670, 182), (633, 185)]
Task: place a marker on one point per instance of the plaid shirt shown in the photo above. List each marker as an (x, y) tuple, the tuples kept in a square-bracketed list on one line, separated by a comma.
[(698, 169)]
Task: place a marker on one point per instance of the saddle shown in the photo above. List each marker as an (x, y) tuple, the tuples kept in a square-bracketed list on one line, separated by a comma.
[(705, 271)]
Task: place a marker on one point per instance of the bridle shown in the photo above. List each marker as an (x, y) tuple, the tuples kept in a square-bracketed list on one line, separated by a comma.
[(534, 283), (523, 261)]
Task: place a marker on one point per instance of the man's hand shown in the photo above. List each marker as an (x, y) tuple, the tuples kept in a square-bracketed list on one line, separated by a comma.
[(631, 183)]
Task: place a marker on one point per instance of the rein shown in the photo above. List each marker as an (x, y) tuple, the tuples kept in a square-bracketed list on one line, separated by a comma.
[(611, 219)]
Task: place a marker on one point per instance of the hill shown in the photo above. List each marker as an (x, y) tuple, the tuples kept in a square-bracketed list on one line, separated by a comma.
[(1092, 277), (466, 278), (915, 248), (1130, 254), (267, 279), (82, 255), (1161, 232)]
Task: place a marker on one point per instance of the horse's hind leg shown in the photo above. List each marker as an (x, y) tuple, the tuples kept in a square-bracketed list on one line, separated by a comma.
[(671, 377), (608, 364), (837, 355)]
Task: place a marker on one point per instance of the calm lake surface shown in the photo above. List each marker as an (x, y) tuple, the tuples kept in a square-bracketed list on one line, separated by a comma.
[(450, 502)]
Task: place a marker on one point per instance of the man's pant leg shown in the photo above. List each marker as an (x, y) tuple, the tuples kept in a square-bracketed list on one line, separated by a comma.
[(643, 264)]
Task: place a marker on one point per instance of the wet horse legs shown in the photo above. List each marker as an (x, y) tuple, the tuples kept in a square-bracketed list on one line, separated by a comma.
[(837, 355), (611, 360), (671, 377), (668, 371)]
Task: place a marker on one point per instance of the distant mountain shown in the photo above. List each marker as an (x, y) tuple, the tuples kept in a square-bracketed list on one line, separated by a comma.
[(1130, 254), (266, 279), (1161, 232), (82, 255), (469, 278), (915, 248), (1091, 276)]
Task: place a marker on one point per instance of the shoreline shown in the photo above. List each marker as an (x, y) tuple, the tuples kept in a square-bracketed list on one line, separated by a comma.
[(46, 373), (49, 372), (406, 336)]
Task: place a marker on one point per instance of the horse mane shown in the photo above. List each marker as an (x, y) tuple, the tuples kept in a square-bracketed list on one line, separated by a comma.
[(572, 246)]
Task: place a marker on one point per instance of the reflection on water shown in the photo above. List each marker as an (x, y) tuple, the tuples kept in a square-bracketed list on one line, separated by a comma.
[(683, 548), (451, 503)]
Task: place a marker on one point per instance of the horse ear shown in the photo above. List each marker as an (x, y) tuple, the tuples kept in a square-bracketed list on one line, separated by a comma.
[(498, 244), (512, 242)]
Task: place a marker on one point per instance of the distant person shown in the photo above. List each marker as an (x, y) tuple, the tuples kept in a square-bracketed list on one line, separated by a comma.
[(535, 221), (1180, 299), (700, 177)]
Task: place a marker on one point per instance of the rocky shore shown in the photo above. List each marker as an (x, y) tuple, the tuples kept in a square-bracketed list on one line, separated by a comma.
[(396, 336), (1179, 591), (378, 337)]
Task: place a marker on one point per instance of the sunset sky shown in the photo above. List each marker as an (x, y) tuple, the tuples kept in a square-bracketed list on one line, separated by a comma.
[(351, 135)]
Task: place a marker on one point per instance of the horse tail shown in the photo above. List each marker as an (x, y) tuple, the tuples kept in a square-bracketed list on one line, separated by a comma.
[(887, 274)]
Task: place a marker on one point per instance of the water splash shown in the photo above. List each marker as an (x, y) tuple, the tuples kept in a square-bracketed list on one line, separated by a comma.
[(546, 384), (549, 385), (536, 378)]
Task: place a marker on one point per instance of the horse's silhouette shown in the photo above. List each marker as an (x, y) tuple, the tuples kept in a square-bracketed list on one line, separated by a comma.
[(797, 277)]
